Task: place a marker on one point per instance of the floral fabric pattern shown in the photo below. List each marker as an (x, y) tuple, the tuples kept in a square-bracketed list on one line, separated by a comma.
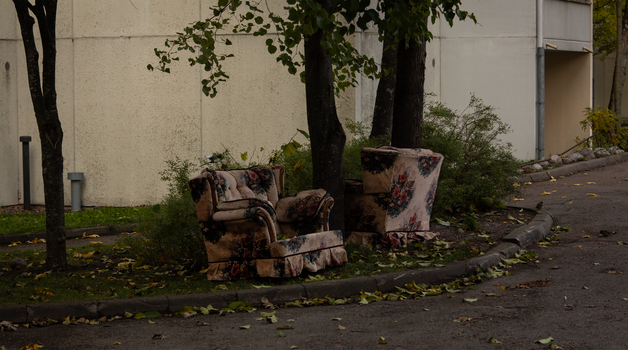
[(237, 213), (396, 199), (303, 206)]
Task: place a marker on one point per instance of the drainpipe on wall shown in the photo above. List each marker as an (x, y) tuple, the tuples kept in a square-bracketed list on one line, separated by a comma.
[(540, 83)]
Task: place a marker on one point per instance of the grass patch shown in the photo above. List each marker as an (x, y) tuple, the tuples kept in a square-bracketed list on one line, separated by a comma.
[(107, 216), (99, 271)]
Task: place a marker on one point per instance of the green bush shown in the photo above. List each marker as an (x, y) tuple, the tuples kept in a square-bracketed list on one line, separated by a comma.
[(603, 121), (298, 166), (170, 233), (477, 164)]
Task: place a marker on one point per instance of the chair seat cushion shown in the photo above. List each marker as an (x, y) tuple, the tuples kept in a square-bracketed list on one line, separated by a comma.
[(307, 243), (304, 206)]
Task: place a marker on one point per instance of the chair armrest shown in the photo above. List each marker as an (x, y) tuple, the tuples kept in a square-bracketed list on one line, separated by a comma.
[(305, 205), (255, 214), (247, 203)]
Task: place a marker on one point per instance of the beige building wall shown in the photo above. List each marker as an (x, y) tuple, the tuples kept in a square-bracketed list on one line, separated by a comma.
[(122, 122), (567, 92), (10, 149), (495, 60)]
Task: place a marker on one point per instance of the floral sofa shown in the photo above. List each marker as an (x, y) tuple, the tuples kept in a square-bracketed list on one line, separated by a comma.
[(393, 202), (243, 212)]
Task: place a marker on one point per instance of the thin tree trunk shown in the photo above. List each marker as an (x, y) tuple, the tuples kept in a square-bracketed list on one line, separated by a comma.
[(385, 99), (407, 128), (619, 74), (327, 136), (44, 98)]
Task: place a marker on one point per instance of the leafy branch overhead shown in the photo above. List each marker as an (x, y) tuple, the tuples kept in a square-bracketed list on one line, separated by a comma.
[(207, 41)]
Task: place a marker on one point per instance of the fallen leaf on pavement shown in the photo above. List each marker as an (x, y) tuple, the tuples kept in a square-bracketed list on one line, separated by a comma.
[(493, 341), (285, 327), (341, 327), (593, 195), (336, 319), (280, 333), (545, 193), (159, 337), (245, 327), (462, 319), (468, 300), (544, 341), (267, 304)]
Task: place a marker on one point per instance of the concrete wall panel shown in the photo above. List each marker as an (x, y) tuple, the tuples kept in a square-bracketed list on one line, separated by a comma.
[(261, 105), (112, 18), (565, 20), (496, 18), (501, 71), (129, 120), (10, 148), (8, 20)]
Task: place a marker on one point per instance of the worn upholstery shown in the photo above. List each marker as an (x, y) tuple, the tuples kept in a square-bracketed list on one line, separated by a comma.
[(242, 215), (393, 202)]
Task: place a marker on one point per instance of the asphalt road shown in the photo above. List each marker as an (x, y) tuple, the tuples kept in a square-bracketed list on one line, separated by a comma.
[(579, 298)]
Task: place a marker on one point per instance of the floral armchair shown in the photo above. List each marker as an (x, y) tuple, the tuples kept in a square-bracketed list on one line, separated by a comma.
[(243, 212), (393, 202)]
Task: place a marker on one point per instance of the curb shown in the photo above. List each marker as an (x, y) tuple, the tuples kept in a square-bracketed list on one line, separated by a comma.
[(69, 234), (521, 237), (570, 169)]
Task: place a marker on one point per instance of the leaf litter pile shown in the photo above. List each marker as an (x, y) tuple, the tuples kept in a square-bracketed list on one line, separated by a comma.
[(480, 232)]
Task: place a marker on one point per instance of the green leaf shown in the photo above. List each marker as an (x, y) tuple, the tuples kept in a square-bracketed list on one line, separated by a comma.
[(443, 222), (281, 334), (245, 327), (336, 319), (467, 300), (151, 322), (285, 327), (152, 314), (545, 341), (307, 136), (139, 315), (260, 286), (244, 156), (128, 314), (493, 341)]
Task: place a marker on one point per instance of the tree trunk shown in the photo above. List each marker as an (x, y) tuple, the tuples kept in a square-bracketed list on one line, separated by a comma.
[(385, 99), (407, 128), (327, 136), (619, 74), (44, 97)]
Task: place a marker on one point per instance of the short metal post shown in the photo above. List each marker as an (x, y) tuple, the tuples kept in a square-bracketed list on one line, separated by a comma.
[(26, 171), (76, 190)]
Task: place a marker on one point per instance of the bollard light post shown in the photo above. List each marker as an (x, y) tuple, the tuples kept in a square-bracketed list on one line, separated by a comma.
[(76, 178), (26, 171)]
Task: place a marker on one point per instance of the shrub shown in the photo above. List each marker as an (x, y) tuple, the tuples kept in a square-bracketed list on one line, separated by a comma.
[(603, 121), (171, 232), (298, 166), (477, 164)]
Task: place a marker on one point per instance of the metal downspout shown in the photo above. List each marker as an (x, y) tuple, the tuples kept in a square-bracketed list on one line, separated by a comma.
[(540, 83)]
